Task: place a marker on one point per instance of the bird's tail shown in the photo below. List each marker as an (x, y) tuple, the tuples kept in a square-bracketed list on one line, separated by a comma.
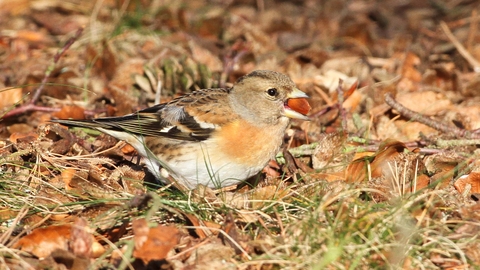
[(92, 124)]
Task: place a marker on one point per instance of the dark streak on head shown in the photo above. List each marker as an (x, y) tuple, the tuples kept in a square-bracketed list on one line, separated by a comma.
[(264, 74)]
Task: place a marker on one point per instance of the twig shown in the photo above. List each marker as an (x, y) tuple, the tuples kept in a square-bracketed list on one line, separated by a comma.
[(341, 99), (158, 92), (238, 50), (30, 106), (452, 143), (57, 57), (461, 49), (472, 31), (261, 6), (415, 116), (461, 22), (323, 95), (6, 234)]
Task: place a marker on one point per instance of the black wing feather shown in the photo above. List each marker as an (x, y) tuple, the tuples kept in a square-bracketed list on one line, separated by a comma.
[(149, 122)]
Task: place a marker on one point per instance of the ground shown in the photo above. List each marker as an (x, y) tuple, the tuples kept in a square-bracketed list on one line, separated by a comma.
[(385, 175)]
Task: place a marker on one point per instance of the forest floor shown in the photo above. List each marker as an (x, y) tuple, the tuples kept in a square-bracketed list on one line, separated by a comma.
[(383, 176)]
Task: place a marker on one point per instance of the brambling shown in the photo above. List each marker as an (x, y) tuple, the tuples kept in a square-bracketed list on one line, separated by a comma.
[(214, 137)]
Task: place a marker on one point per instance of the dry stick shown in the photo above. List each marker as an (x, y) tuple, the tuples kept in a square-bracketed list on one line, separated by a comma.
[(6, 235), (415, 116), (472, 30), (341, 99), (323, 95), (229, 63), (463, 21), (470, 59), (30, 106)]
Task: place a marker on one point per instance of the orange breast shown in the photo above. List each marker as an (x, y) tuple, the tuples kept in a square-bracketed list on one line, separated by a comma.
[(248, 144)]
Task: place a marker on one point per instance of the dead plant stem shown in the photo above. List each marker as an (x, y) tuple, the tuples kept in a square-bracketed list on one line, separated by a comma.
[(30, 106), (415, 116)]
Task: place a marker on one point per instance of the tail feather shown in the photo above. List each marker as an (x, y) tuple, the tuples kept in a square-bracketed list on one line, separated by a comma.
[(145, 124), (92, 124)]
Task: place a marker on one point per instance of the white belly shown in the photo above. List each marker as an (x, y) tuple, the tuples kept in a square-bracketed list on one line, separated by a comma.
[(199, 167)]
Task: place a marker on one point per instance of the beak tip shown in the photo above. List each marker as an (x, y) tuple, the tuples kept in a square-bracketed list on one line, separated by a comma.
[(296, 105)]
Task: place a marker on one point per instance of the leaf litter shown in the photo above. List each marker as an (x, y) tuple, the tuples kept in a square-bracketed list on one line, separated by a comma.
[(384, 175)]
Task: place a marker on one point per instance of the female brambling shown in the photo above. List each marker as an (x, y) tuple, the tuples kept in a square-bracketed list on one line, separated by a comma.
[(214, 137)]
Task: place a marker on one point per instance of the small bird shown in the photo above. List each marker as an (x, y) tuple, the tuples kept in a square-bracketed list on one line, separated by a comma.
[(214, 137)]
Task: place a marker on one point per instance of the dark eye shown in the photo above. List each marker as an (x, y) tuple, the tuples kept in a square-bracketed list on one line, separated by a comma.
[(272, 92)]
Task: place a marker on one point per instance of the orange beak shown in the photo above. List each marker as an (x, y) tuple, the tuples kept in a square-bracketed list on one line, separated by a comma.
[(297, 106)]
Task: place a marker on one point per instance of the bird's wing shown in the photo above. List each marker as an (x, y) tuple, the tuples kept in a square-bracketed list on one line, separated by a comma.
[(192, 117)]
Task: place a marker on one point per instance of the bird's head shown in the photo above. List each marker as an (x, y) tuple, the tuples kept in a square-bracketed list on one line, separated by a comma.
[(268, 96)]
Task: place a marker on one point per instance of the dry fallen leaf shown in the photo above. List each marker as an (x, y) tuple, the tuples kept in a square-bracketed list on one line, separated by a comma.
[(67, 176), (202, 227), (128, 149), (21, 128), (398, 168), (409, 68), (43, 241), (472, 180), (76, 237), (264, 195), (153, 243), (204, 44), (70, 112), (235, 239), (211, 256), (23, 137), (427, 102), (81, 239), (9, 97)]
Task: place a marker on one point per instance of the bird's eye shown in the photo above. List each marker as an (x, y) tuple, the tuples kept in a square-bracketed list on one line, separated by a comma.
[(272, 92)]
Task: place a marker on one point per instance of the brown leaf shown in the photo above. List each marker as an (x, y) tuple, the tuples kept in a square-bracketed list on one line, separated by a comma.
[(103, 60), (262, 195), (202, 229), (43, 241), (10, 97), (23, 137), (57, 23), (426, 102), (81, 239), (236, 239), (409, 69), (353, 99), (67, 176), (271, 169), (411, 130), (202, 55), (70, 112), (357, 170), (153, 243), (128, 149), (66, 142), (19, 128), (472, 179), (196, 223), (330, 155), (16, 7), (120, 85), (422, 181), (210, 256), (330, 177), (391, 164), (32, 36)]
